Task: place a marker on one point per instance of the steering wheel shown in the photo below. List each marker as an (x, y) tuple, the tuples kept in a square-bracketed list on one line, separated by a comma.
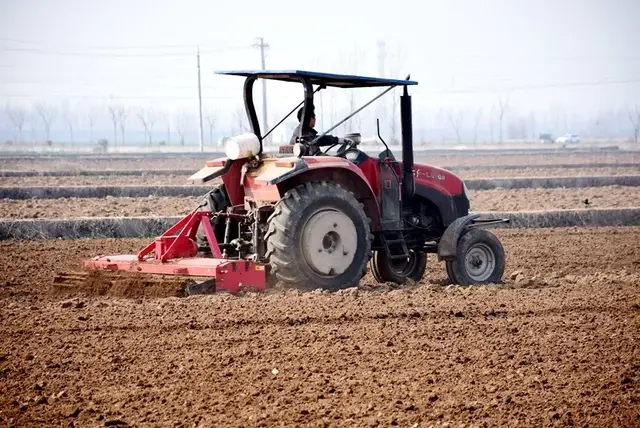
[(344, 147)]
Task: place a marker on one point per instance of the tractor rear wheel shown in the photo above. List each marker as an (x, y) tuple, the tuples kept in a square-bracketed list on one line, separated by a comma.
[(385, 269), (479, 259), (319, 237)]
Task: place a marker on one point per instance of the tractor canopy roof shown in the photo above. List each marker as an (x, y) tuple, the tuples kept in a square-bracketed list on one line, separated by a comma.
[(321, 79)]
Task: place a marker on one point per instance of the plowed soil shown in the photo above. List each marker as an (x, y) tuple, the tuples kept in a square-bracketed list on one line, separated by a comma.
[(169, 163), (481, 200), (557, 345), (98, 207), (173, 180), (555, 199)]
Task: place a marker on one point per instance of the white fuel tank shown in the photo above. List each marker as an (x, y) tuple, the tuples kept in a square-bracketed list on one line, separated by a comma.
[(242, 146)]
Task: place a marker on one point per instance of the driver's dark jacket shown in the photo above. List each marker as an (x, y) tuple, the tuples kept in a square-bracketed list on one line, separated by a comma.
[(308, 134)]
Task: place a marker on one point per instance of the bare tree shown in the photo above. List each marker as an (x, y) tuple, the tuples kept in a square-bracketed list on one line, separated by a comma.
[(240, 121), (92, 121), (182, 125), (634, 117), (477, 118), (123, 113), (456, 118), (47, 114), (113, 113), (68, 118), (532, 125), (18, 117), (211, 120), (396, 63), (502, 107), (147, 117), (353, 59)]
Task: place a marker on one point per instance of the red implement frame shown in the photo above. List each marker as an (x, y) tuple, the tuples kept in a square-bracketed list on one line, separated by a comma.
[(175, 254)]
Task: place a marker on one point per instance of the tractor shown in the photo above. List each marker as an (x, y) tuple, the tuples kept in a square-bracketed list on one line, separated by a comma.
[(309, 218)]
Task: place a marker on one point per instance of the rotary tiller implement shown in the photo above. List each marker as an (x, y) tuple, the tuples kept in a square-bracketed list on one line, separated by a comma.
[(175, 253)]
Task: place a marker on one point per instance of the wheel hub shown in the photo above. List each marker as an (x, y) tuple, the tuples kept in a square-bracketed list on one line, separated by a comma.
[(329, 242), (480, 262)]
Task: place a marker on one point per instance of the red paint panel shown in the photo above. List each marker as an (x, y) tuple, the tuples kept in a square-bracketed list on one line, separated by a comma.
[(440, 179), (232, 182), (260, 191), (371, 171)]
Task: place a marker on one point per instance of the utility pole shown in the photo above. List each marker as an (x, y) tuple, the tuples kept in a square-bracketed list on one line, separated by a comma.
[(200, 104), (262, 45)]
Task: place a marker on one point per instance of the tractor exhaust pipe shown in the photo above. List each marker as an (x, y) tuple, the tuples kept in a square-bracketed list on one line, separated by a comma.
[(408, 182)]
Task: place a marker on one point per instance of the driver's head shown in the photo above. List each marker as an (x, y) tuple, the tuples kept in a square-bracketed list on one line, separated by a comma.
[(312, 120)]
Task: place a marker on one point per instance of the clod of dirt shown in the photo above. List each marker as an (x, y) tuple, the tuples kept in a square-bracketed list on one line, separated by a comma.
[(41, 399), (490, 388), (516, 274), (75, 413), (28, 356), (115, 423)]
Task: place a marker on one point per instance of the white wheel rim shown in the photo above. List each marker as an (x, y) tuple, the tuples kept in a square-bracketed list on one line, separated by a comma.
[(329, 242), (480, 262)]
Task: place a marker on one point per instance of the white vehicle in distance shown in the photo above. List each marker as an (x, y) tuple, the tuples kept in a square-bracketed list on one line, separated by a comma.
[(568, 138)]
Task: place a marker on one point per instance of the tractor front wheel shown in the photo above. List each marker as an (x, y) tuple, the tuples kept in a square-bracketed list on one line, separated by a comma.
[(319, 237), (479, 259), (385, 269)]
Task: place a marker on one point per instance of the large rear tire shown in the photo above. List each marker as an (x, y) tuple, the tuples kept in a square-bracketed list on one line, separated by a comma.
[(319, 237), (398, 271), (480, 259)]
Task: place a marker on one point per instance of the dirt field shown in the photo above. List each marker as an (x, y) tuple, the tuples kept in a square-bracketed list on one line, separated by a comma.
[(168, 180), (557, 346), (554, 199), (107, 207), (481, 200), (194, 164)]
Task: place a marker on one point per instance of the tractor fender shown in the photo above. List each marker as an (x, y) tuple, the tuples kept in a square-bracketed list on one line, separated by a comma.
[(448, 243), (336, 170)]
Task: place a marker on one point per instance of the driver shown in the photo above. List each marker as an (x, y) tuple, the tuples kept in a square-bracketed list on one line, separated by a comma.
[(308, 133)]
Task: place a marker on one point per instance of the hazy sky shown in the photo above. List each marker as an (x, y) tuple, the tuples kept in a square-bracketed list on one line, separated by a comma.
[(143, 51)]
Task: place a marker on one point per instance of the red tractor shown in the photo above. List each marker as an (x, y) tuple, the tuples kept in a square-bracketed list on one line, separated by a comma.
[(310, 218)]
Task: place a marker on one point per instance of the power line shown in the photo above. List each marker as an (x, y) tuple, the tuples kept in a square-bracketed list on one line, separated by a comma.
[(113, 47), (535, 86), (116, 55), (124, 97)]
